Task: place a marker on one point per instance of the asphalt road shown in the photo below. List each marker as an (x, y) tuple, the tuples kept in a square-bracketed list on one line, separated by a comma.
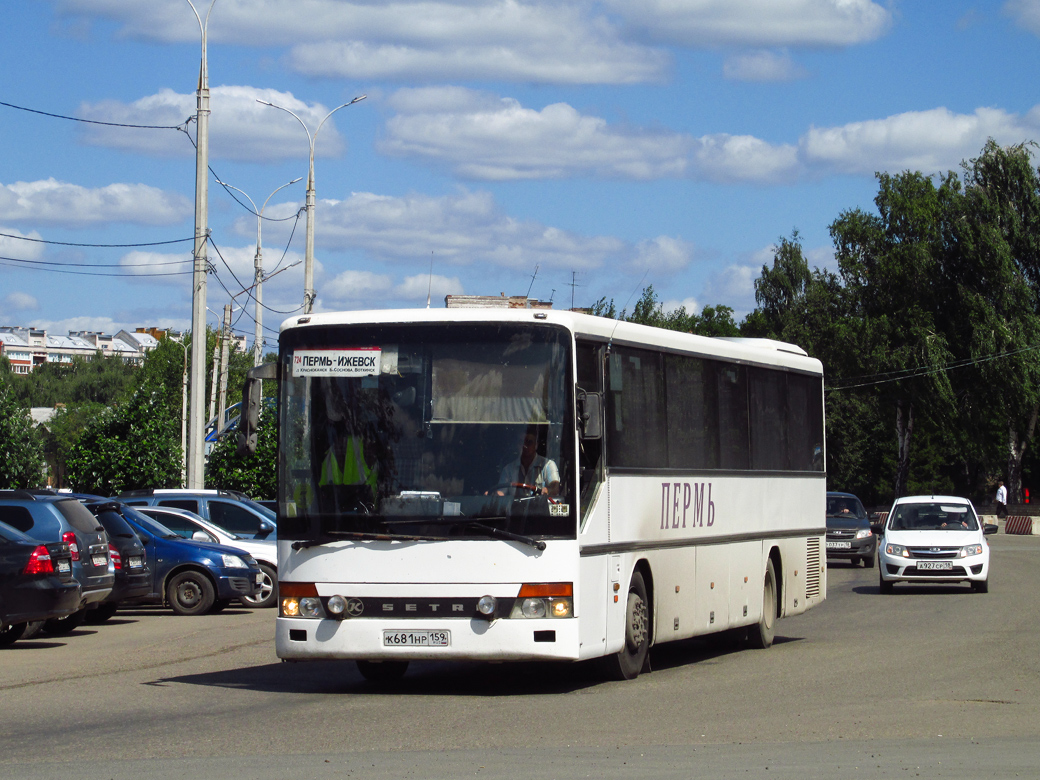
[(927, 682)]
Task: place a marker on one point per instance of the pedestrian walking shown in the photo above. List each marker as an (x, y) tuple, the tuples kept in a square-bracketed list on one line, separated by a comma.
[(1001, 499)]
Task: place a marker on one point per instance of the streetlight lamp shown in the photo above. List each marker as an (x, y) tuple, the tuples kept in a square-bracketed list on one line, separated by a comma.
[(258, 270), (308, 261), (196, 462)]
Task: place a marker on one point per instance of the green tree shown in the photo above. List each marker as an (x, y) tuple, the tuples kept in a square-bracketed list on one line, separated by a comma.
[(254, 474), (21, 449), (133, 445)]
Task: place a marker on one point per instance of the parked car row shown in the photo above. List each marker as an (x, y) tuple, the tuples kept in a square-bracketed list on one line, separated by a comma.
[(923, 539), (80, 557)]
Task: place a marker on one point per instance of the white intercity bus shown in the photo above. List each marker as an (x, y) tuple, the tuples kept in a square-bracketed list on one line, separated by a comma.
[(523, 484)]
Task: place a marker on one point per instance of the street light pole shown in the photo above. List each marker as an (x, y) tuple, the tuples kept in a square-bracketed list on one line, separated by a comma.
[(258, 269), (196, 454), (308, 261)]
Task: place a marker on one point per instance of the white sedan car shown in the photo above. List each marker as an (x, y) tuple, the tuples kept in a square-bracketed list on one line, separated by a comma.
[(937, 539), (191, 526)]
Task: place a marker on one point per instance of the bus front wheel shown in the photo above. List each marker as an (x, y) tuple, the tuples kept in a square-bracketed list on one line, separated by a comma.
[(629, 661), (761, 636)]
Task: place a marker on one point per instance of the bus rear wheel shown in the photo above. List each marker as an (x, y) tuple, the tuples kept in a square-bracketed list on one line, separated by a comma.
[(629, 661), (761, 636), (382, 671)]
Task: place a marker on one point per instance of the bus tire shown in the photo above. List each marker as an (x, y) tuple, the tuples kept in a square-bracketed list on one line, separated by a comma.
[(629, 661), (382, 671), (761, 636)]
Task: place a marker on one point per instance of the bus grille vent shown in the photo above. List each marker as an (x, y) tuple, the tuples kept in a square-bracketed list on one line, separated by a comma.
[(812, 569)]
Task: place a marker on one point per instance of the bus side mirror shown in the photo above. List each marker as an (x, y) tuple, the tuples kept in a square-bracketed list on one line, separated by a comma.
[(590, 416), (250, 409)]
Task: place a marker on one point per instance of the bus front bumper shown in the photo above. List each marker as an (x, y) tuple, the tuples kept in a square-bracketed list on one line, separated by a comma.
[(502, 639)]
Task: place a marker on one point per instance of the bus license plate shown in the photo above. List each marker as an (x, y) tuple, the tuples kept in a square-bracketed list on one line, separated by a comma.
[(419, 638), (932, 565), (839, 545)]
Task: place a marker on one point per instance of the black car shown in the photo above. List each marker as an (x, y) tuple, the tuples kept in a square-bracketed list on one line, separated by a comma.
[(129, 558), (36, 582), (61, 518), (849, 534)]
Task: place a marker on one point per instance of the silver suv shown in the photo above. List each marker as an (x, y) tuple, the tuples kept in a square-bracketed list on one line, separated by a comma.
[(227, 508)]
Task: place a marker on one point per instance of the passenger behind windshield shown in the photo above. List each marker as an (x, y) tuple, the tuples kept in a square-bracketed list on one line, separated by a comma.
[(530, 471)]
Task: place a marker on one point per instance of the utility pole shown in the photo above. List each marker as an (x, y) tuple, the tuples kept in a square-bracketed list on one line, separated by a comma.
[(308, 257), (196, 447), (225, 337)]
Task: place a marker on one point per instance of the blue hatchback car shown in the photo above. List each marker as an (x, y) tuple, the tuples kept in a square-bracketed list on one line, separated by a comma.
[(192, 577)]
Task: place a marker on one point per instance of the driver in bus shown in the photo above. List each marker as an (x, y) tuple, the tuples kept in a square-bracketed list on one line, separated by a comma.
[(530, 468)]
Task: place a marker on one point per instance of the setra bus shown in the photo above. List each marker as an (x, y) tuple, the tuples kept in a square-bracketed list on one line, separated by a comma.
[(518, 484)]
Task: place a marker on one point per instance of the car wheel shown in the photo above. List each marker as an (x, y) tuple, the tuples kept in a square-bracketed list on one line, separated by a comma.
[(267, 596), (33, 628), (102, 613), (761, 636), (11, 633), (382, 671), (980, 586), (629, 661), (869, 562), (190, 593), (883, 585), (65, 625), (219, 605)]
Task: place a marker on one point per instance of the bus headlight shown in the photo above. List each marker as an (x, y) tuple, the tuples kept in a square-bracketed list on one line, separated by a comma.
[(336, 605), (544, 600), (300, 599), (310, 606)]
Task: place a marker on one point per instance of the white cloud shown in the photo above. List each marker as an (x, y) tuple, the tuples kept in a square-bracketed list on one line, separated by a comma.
[(712, 23), (460, 229), (418, 287), (483, 137), (763, 66), (559, 42), (663, 254), (52, 202), (1026, 14), (690, 304), (355, 288), (929, 141), (19, 301), (14, 245), (734, 284), (480, 136), (174, 269), (240, 128)]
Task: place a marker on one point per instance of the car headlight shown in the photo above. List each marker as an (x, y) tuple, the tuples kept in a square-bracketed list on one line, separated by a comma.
[(233, 562), (863, 533), (971, 549), (896, 550)]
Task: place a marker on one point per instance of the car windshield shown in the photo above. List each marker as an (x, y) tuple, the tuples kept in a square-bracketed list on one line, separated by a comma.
[(933, 517), (845, 506), (150, 525), (432, 429)]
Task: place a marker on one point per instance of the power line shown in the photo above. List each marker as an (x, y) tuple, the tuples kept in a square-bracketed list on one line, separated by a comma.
[(182, 126), (39, 265), (100, 246)]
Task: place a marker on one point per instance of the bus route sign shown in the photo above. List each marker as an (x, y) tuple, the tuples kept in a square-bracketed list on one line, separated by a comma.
[(353, 361)]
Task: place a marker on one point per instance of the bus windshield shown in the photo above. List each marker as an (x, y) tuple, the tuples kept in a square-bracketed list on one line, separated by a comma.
[(434, 431)]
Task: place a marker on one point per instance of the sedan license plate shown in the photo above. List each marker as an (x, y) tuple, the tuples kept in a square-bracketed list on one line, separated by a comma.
[(932, 565), (418, 638), (839, 545), (99, 560), (64, 566), (136, 562)]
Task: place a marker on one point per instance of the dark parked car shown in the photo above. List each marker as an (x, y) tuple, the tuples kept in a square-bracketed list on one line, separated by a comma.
[(36, 582), (129, 558), (58, 518), (849, 534), (226, 508), (193, 577)]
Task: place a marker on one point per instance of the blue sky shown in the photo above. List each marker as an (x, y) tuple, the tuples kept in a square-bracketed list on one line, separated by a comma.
[(612, 143)]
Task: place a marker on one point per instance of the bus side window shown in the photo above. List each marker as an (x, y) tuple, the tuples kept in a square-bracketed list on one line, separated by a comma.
[(589, 358)]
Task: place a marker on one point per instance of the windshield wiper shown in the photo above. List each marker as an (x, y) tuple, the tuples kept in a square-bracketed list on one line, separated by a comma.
[(472, 522), (336, 536)]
